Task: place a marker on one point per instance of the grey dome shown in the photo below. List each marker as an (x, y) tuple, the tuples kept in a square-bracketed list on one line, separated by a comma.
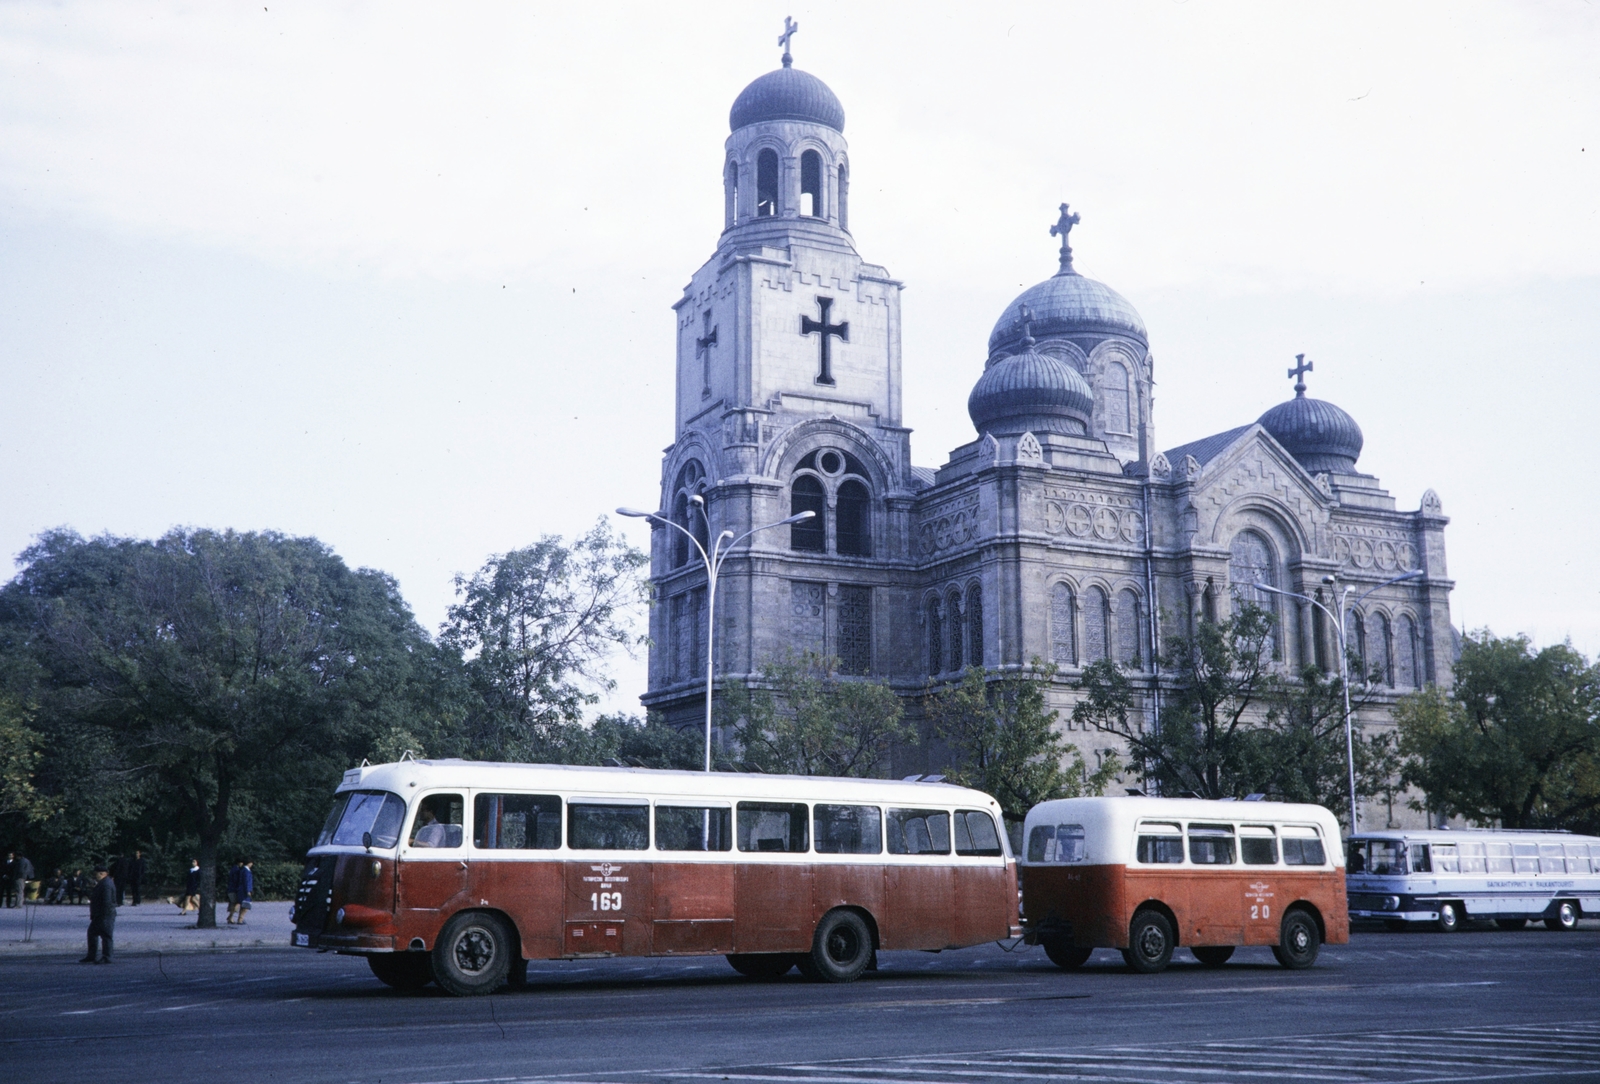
[(1067, 304), (1319, 435), (787, 94), (1031, 392)]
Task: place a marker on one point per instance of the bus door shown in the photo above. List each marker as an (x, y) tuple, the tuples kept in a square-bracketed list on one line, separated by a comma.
[(919, 895), (1216, 905), (1258, 853), (694, 891), (523, 878), (433, 867), (772, 900), (608, 896)]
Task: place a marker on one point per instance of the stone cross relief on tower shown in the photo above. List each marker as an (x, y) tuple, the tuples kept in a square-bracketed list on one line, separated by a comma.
[(825, 331)]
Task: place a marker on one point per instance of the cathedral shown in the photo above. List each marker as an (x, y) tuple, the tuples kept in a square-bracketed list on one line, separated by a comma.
[(1061, 531)]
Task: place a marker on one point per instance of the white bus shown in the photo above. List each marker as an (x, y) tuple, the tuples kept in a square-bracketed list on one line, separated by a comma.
[(1447, 877), (458, 872)]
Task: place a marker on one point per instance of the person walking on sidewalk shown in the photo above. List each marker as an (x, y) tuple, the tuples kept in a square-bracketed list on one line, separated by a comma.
[(136, 869), (247, 887), (102, 917), (191, 889)]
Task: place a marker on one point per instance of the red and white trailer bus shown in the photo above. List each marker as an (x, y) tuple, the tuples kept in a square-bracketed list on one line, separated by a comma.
[(1146, 875), (460, 872)]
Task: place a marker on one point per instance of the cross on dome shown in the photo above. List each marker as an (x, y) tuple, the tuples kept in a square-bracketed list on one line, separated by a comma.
[(790, 27), (1301, 368), (1062, 228)]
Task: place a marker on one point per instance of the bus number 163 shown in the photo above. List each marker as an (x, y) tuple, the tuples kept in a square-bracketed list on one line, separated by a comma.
[(605, 901)]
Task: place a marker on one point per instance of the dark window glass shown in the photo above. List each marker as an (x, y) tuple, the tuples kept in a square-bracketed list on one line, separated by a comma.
[(811, 185), (516, 822), (1211, 844), (608, 827), (1258, 850), (854, 525), (772, 826), (935, 639), (811, 534), (919, 831), (767, 183), (693, 828), (1095, 622), (975, 834), (975, 625), (848, 829), (1419, 858), (439, 821), (1063, 646), (1160, 843), (953, 626), (1307, 851), (1057, 843), (855, 630)]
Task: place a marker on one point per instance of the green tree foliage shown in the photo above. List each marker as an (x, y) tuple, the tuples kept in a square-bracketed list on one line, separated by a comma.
[(647, 743), (206, 673), (21, 749), (804, 718), (535, 627), (1516, 740), (1005, 742)]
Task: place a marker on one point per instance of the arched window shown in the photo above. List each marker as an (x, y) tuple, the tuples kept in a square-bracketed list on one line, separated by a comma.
[(767, 183), (730, 194), (844, 198), (1383, 649), (1408, 675), (1356, 640), (853, 525), (811, 185), (935, 639), (810, 535), (687, 513), (975, 625), (1118, 400), (953, 621), (1319, 635), (1063, 639), (1128, 638), (1096, 622), (1250, 561)]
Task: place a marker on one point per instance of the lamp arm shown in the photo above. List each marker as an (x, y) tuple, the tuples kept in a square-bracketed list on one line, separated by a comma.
[(681, 529)]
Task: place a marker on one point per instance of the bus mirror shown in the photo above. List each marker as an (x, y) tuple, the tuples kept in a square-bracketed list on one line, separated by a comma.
[(366, 841)]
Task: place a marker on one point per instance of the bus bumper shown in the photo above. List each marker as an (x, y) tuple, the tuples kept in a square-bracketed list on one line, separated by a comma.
[(342, 942), (1404, 916)]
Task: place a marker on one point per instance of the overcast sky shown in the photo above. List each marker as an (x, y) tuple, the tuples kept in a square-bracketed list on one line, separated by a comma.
[(399, 275)]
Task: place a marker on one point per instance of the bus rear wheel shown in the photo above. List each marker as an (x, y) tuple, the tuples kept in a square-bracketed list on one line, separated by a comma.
[(1150, 943), (840, 950), (1299, 942), (473, 954), (761, 965), (1213, 955), (1064, 954), (1565, 918), (1449, 920), (402, 970)]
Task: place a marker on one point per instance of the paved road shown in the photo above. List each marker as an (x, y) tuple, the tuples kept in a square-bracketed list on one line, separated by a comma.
[(1473, 1006)]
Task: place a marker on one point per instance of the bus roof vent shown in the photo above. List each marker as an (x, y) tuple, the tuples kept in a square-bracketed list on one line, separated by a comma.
[(1254, 797), (933, 779), (910, 778)]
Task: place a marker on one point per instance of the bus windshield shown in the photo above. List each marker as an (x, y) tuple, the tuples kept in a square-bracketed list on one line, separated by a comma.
[(355, 813), (1383, 857)]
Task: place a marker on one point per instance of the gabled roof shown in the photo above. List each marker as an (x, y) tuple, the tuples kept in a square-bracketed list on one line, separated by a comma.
[(1205, 449)]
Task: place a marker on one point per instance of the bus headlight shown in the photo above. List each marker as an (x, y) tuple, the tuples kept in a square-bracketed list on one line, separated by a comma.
[(338, 917), (1391, 903)]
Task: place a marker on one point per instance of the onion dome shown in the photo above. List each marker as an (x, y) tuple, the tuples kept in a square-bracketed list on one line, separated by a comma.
[(1029, 392), (1319, 435), (787, 94)]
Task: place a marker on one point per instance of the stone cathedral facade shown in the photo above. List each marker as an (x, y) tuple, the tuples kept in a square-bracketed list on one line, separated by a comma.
[(1061, 531)]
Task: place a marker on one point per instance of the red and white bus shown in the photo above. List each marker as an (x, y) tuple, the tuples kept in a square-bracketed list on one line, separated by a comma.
[(460, 872), (1146, 875)]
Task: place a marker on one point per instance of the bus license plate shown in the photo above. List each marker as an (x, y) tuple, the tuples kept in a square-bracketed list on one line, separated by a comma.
[(303, 939)]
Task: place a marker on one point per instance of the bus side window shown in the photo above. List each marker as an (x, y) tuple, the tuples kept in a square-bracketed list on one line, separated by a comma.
[(1211, 844), (773, 826), (1499, 857), (1160, 843), (1419, 859), (1302, 846), (1472, 860), (1527, 857), (975, 834), (438, 822), (919, 831), (1258, 846), (1445, 859), (1578, 857), (693, 828), (516, 822), (620, 827), (848, 829)]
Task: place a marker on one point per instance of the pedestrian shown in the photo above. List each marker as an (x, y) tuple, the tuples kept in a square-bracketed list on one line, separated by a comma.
[(19, 871), (55, 889), (102, 917), (191, 888), (78, 886), (117, 872), (233, 890), (8, 879), (136, 868), (247, 887)]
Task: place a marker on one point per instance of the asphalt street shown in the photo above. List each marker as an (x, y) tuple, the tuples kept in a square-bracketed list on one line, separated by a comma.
[(1471, 1006)]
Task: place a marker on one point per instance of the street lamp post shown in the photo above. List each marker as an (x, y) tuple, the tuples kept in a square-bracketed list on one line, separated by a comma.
[(1344, 664), (713, 561)]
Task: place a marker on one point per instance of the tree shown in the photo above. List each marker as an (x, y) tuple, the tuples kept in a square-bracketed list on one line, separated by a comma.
[(21, 749), (535, 627), (1005, 743), (212, 672), (1515, 740), (647, 743), (804, 718)]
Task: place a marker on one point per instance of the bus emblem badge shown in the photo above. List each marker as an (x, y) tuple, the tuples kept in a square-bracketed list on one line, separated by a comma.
[(606, 869)]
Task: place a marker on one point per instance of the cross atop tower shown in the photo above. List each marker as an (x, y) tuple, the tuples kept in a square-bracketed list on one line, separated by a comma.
[(1063, 227), (1301, 368), (789, 29)]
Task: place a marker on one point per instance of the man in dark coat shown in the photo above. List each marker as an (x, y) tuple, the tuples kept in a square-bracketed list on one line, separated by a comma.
[(117, 873), (102, 917), (136, 868)]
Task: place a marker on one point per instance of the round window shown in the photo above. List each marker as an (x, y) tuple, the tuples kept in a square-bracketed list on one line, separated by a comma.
[(831, 462)]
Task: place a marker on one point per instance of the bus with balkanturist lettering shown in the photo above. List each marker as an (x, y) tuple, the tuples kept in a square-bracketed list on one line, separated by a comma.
[(459, 872), (1148, 875), (1447, 877)]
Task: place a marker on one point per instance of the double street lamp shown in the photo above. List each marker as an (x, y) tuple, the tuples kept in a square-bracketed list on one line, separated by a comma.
[(1344, 663), (713, 560)]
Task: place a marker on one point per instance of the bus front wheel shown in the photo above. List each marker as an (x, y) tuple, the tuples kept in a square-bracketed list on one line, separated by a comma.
[(1565, 918), (761, 965), (1213, 955), (841, 949), (1064, 954), (1150, 943), (1449, 920), (473, 954), (402, 970), (1299, 942)]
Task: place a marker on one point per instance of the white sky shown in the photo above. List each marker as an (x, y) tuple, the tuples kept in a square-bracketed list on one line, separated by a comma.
[(400, 275)]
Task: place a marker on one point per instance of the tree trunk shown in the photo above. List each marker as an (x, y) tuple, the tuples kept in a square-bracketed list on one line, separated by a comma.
[(207, 917)]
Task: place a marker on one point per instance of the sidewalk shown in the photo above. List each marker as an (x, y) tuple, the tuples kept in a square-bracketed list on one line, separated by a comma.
[(153, 926)]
